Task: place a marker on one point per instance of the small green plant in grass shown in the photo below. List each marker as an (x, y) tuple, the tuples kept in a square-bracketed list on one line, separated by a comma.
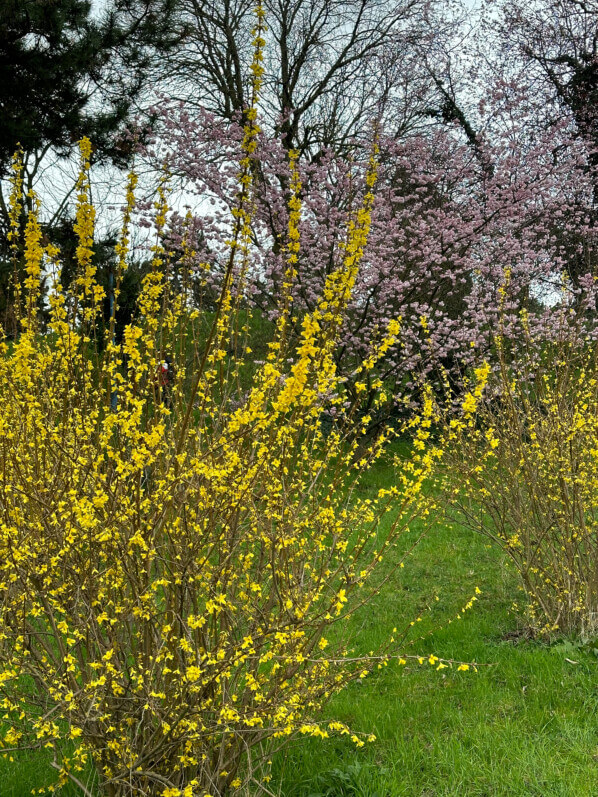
[(349, 781)]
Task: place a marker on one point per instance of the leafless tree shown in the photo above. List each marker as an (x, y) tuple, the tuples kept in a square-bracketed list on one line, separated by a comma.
[(331, 65), (558, 42)]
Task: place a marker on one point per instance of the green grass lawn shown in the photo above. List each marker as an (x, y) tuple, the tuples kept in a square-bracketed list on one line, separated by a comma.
[(525, 725)]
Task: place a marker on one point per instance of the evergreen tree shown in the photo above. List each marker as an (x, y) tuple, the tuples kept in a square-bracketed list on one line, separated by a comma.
[(65, 73)]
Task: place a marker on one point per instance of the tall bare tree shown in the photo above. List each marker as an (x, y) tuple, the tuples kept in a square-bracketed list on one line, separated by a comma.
[(556, 41), (330, 64)]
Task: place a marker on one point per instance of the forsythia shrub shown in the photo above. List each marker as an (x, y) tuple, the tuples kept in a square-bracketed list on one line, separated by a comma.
[(173, 554), (527, 474)]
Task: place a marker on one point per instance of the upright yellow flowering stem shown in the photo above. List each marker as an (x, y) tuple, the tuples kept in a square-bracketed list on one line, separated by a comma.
[(121, 250), (154, 287), (122, 247), (15, 210), (89, 293), (242, 221), (16, 201), (320, 330), (34, 254)]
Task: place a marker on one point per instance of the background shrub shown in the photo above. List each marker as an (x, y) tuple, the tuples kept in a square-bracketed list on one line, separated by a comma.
[(528, 474)]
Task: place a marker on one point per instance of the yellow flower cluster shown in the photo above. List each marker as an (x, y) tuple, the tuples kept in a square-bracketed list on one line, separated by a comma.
[(169, 570)]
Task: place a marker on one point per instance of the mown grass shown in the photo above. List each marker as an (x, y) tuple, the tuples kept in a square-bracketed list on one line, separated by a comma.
[(527, 724)]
